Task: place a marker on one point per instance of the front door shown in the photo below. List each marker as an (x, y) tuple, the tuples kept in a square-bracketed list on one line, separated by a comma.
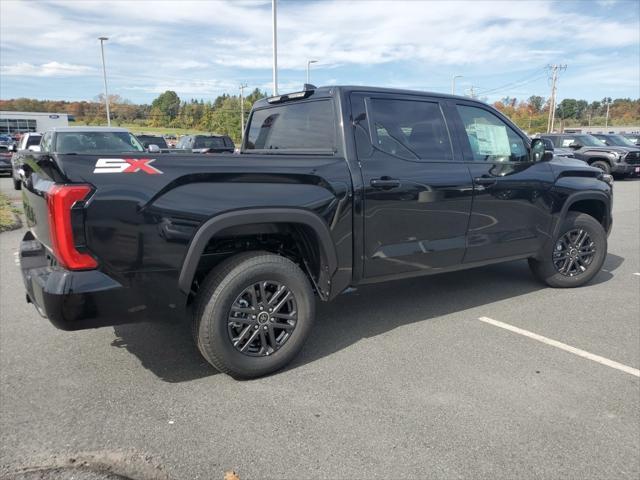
[(417, 191), (511, 213)]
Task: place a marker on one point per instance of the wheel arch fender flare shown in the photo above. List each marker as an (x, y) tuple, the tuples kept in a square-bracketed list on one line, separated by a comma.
[(579, 196), (236, 218)]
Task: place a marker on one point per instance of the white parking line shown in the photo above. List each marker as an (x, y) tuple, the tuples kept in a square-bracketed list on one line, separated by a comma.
[(563, 346)]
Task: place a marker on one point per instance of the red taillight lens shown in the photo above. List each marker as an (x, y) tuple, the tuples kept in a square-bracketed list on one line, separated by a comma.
[(60, 200)]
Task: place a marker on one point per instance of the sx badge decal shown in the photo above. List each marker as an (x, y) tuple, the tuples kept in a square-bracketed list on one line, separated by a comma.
[(126, 165)]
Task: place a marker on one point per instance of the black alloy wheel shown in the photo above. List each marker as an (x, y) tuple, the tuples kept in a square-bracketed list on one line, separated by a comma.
[(262, 318), (574, 252)]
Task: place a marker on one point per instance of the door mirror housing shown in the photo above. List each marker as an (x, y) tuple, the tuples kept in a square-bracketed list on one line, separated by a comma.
[(153, 148), (575, 145), (34, 148), (539, 152)]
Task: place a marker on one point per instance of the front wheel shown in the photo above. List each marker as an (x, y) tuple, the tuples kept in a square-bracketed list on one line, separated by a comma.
[(602, 165), (575, 256), (253, 314)]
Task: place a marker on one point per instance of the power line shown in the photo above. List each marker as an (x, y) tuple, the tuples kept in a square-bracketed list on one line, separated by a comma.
[(535, 75)]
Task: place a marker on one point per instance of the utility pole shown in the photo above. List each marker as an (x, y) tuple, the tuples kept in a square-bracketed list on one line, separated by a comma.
[(472, 92), (554, 87), (606, 119), (453, 83), (104, 75), (242, 87), (275, 46)]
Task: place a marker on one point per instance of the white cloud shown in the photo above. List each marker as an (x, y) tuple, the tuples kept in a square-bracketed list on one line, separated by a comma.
[(170, 42), (51, 69)]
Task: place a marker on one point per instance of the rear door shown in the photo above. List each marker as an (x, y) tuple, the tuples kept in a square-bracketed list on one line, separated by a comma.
[(511, 201), (417, 191)]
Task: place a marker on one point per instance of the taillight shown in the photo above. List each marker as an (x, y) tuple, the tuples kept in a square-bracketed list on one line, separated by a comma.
[(60, 200)]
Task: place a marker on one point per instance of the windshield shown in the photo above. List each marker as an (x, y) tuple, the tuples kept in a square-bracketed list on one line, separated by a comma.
[(147, 140), (92, 142), (588, 141), (209, 142), (620, 141)]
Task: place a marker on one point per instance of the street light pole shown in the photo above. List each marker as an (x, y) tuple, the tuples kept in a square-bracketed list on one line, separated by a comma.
[(242, 87), (104, 75), (275, 46), (309, 62), (453, 83)]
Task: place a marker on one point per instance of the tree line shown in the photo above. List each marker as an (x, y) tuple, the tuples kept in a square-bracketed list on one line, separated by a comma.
[(532, 114), (220, 116), (223, 114)]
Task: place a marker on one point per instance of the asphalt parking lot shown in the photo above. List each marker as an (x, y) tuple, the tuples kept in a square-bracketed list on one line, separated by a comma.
[(398, 380)]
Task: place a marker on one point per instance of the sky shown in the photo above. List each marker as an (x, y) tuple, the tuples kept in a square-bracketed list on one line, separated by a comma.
[(201, 49)]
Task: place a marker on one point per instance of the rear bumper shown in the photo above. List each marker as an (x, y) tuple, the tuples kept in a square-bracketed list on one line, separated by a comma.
[(77, 300)]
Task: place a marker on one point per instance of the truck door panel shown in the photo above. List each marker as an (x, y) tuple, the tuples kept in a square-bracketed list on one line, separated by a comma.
[(417, 199)]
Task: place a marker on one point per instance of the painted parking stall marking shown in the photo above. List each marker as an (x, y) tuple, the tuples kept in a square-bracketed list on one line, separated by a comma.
[(563, 346)]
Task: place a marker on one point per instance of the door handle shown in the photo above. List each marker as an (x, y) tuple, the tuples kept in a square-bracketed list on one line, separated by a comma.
[(385, 182), (484, 181)]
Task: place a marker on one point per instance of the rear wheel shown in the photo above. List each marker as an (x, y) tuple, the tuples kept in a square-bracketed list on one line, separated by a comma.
[(575, 256), (602, 165), (17, 184), (253, 314)]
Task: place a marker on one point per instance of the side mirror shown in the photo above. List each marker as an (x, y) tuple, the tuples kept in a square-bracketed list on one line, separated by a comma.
[(539, 152), (575, 145), (153, 148), (34, 148), (11, 148)]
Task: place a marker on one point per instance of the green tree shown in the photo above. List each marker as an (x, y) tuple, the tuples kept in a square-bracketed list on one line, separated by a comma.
[(168, 103)]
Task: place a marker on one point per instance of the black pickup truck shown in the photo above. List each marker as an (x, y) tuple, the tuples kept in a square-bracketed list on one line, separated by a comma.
[(334, 187)]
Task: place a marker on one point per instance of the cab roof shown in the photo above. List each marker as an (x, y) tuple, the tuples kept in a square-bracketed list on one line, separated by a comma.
[(330, 91), (88, 129)]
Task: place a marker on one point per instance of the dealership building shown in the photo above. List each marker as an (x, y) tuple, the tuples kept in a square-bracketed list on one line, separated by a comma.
[(12, 122)]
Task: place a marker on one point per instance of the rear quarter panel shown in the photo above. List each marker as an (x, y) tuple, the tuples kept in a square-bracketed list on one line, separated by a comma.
[(141, 224)]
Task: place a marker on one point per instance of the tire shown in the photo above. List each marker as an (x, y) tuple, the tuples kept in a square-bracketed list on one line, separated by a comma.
[(229, 285), (17, 184), (548, 269), (602, 165)]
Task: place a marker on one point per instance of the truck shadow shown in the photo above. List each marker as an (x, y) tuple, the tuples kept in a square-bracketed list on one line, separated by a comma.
[(168, 350)]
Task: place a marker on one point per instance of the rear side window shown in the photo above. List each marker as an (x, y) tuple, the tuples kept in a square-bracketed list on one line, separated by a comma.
[(33, 140), (491, 139), (294, 126), (410, 129)]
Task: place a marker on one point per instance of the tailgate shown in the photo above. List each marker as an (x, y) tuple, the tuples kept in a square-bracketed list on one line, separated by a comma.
[(41, 172)]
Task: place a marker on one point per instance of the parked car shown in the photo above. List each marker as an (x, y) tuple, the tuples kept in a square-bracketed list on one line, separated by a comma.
[(28, 142), (157, 140), (558, 152), (412, 184), (5, 159), (619, 161), (6, 141), (206, 143)]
